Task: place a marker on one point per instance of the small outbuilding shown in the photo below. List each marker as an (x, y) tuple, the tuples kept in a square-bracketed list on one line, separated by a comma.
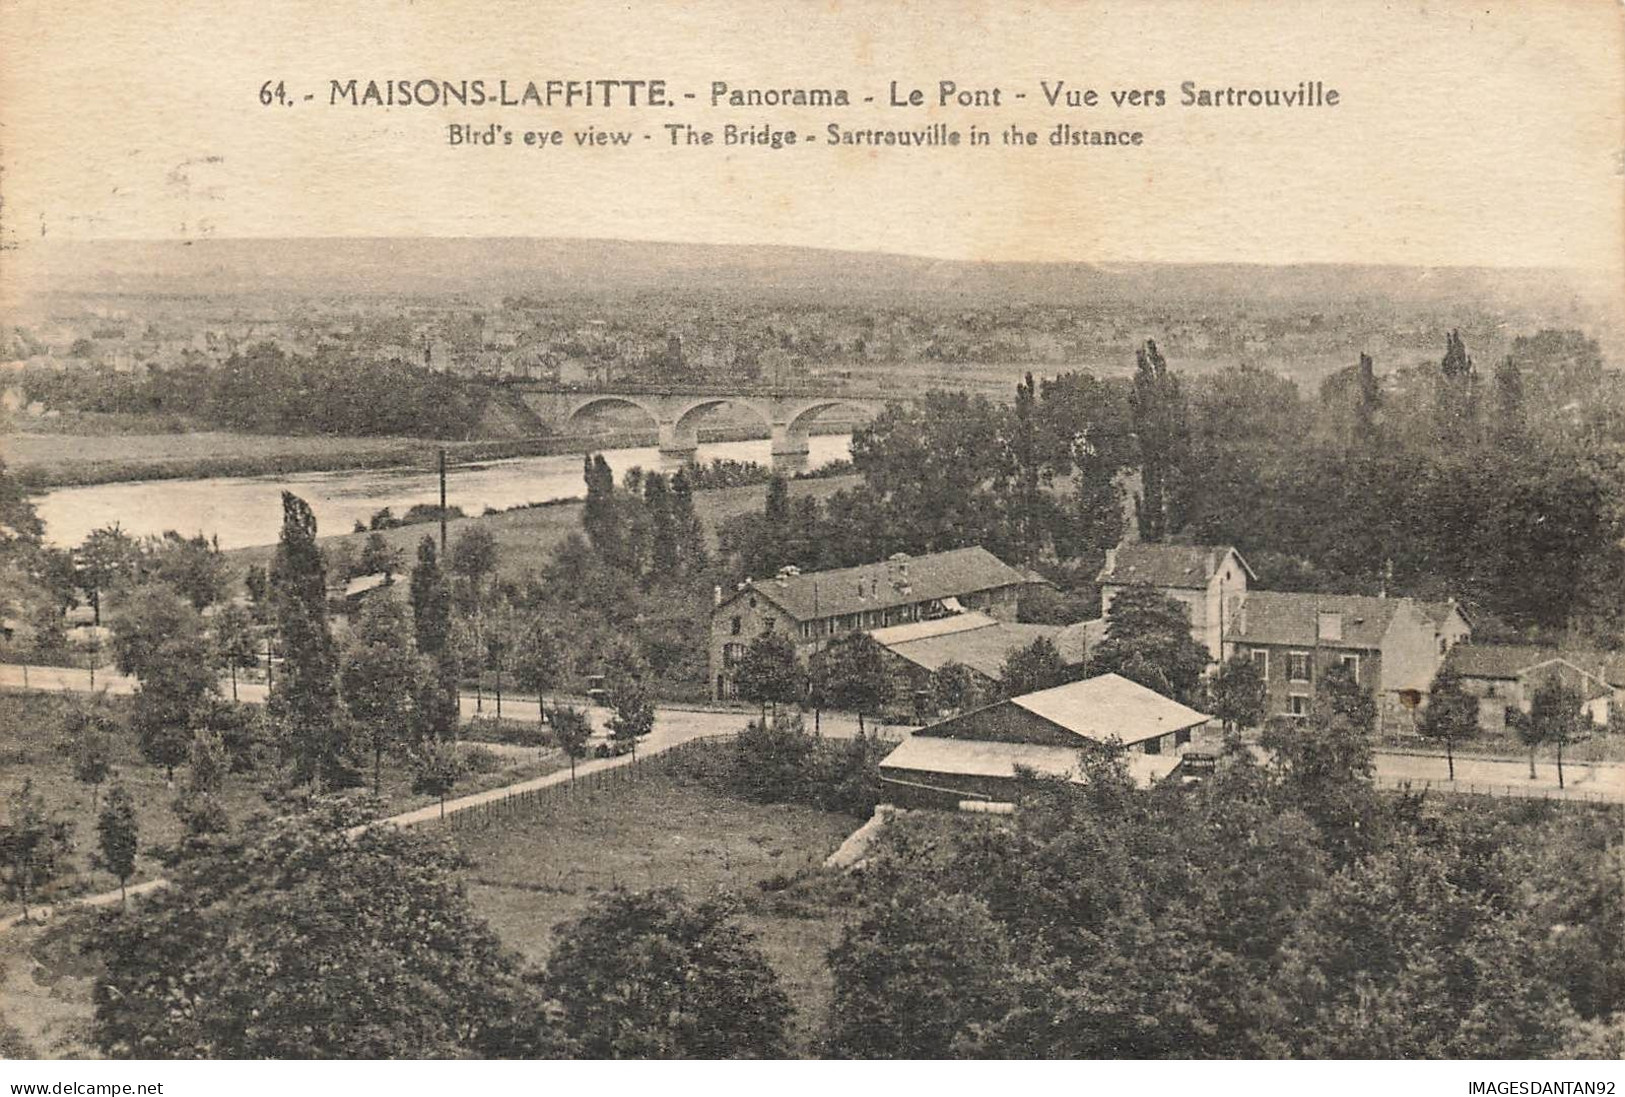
[(976, 755)]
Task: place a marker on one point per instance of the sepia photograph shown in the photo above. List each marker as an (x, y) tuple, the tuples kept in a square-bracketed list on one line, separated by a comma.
[(866, 530)]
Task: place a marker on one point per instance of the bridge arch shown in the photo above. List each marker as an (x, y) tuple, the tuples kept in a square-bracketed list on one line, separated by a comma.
[(688, 418), (800, 422), (593, 402)]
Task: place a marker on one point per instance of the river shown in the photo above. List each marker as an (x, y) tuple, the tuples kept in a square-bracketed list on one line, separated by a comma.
[(247, 510)]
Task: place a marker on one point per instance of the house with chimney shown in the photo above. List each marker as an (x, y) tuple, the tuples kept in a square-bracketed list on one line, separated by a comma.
[(1202, 578), (1393, 647), (816, 608)]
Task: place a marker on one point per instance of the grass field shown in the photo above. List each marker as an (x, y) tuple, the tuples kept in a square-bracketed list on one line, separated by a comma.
[(31, 731), (663, 829), (530, 872)]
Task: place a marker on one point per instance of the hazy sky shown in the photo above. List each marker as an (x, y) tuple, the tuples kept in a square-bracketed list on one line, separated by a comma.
[(1466, 133)]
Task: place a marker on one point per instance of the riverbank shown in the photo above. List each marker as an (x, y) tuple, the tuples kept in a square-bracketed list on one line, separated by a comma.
[(526, 536), (43, 460)]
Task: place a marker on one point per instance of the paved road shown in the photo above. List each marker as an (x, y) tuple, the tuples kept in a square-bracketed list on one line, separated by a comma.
[(1504, 777), (514, 706)]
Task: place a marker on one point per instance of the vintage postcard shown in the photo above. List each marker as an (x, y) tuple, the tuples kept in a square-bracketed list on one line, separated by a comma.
[(864, 529)]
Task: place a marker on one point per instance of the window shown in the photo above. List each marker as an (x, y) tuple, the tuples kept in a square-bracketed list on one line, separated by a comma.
[(753, 601), (1182, 737), (732, 654), (1297, 666), (1261, 662), (1297, 705), (1350, 663), (1444, 645), (738, 626), (1152, 746), (806, 630)]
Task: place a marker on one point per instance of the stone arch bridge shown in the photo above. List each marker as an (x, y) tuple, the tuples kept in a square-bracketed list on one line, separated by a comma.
[(677, 415)]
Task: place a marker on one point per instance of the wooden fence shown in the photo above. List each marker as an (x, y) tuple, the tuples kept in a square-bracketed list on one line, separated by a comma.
[(1497, 789), (608, 778)]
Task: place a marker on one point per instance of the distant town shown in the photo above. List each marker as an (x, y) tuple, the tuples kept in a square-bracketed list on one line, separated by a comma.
[(850, 671)]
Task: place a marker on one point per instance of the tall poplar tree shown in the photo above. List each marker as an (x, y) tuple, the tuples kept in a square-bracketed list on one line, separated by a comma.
[(304, 699)]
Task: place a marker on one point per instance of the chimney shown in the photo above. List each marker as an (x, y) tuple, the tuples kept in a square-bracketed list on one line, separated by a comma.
[(1212, 561), (716, 596), (1111, 559)]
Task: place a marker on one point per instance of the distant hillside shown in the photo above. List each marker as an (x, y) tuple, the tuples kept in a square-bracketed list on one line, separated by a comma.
[(492, 268)]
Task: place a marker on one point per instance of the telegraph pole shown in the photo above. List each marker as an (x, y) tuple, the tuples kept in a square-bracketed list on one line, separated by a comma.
[(442, 504)]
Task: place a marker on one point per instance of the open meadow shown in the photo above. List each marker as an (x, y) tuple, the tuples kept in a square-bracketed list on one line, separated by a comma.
[(660, 826)]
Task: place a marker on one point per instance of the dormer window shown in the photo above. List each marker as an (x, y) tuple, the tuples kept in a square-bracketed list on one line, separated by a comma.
[(1328, 625)]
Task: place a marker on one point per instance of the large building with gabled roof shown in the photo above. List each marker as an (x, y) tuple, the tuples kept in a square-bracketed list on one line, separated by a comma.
[(1202, 578), (817, 607)]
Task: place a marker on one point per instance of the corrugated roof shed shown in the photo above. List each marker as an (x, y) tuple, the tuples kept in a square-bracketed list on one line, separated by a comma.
[(927, 578), (982, 646), (922, 755), (1109, 706)]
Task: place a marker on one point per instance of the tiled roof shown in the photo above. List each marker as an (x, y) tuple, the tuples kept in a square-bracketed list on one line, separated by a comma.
[(900, 582), (1510, 661), (981, 643), (1110, 706), (1275, 617), (1188, 566)]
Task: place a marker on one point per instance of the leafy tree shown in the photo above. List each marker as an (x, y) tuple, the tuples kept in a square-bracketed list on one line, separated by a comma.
[(88, 744), (1326, 766), (501, 633), (431, 601), (654, 975), (378, 555), (239, 955), (955, 688), (199, 806), (851, 674), (437, 766), (209, 762), (1148, 640), (1032, 668), (379, 679), (1238, 694), (235, 641), (1340, 694), (692, 551), (916, 975), (159, 638), (304, 698), (770, 673), (1451, 715), (257, 582), (633, 714), (438, 700), (1160, 425), (107, 557), (34, 847), (192, 566), (474, 555), (117, 835), (1556, 716), (571, 730), (539, 663)]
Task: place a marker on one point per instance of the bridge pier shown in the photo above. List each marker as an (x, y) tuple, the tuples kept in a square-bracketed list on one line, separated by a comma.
[(790, 449), (677, 447)]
